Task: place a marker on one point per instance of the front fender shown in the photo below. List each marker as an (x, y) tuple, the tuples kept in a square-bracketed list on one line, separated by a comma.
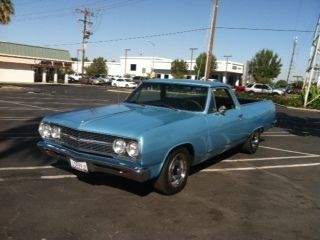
[(159, 142)]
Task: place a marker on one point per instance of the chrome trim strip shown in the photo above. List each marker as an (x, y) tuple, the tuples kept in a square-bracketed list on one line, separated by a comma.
[(103, 163)]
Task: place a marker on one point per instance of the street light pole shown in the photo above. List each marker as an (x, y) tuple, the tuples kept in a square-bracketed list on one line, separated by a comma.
[(125, 60), (153, 45), (227, 62), (192, 49)]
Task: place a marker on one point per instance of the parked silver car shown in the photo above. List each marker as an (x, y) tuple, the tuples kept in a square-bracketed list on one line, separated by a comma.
[(263, 88)]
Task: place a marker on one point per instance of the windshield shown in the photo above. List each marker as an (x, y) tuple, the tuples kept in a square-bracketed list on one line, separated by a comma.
[(173, 96)]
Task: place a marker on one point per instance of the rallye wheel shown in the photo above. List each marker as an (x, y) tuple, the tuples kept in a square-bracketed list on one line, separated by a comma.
[(252, 143), (174, 174)]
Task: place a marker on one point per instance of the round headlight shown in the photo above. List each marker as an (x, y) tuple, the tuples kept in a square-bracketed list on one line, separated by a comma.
[(133, 149), (55, 132), (119, 146), (45, 130)]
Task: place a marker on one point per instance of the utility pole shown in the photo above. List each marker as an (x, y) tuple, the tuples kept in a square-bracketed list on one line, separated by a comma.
[(154, 47), (125, 60), (292, 57), (310, 73), (192, 49), (227, 62), (207, 73), (85, 33)]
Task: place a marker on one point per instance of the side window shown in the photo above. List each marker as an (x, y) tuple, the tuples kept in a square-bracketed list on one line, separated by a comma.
[(222, 99)]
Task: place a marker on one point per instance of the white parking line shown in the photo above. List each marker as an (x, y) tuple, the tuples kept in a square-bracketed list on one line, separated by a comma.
[(28, 105), (25, 109), (289, 151), (52, 177), (280, 135), (260, 168), (270, 158), (25, 168), (60, 98), (276, 132), (4, 137), (16, 118)]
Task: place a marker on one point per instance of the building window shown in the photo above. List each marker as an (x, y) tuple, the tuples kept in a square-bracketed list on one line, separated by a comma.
[(133, 67), (158, 75), (234, 67), (166, 76), (188, 77)]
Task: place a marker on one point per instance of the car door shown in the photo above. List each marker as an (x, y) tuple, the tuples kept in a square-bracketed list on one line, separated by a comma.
[(120, 83), (225, 122), (258, 88), (266, 88)]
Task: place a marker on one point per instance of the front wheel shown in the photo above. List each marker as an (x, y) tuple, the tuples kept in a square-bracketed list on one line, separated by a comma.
[(252, 143), (174, 174)]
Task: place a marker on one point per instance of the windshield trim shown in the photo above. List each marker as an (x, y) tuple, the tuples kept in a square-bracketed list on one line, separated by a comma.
[(165, 105)]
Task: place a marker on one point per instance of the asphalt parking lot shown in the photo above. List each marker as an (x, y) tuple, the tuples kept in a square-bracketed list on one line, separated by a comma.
[(273, 194)]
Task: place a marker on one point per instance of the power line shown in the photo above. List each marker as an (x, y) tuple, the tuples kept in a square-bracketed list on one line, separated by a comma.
[(184, 32), (66, 11)]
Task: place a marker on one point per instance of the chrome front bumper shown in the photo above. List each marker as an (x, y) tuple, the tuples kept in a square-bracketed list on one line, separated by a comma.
[(95, 163)]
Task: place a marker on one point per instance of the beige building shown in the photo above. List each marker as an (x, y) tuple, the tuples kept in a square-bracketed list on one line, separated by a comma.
[(20, 63)]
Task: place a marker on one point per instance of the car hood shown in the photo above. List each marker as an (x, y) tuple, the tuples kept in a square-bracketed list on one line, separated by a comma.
[(127, 120)]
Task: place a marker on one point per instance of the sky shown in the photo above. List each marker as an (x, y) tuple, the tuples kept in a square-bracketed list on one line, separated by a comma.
[(169, 28)]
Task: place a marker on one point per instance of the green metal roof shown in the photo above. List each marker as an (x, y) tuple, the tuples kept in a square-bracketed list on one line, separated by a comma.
[(22, 50)]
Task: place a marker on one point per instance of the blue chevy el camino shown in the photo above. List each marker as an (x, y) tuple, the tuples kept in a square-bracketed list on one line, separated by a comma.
[(158, 132)]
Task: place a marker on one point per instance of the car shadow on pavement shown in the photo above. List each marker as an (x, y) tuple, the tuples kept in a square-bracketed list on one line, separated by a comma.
[(105, 179), (215, 160), (298, 125), (19, 145)]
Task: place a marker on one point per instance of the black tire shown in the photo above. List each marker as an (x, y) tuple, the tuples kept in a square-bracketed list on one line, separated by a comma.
[(175, 172), (251, 145)]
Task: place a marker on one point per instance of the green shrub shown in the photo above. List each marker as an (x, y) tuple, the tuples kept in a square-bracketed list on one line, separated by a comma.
[(293, 100), (314, 94)]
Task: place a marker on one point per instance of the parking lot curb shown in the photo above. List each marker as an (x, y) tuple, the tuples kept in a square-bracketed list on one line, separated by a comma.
[(119, 91), (301, 109)]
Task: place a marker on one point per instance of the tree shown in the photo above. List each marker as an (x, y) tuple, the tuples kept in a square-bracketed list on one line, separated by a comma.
[(179, 68), (265, 66), (201, 64), (98, 66), (6, 11), (281, 83)]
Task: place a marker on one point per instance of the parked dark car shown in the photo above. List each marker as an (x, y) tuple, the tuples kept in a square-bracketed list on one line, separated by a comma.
[(139, 79), (294, 89)]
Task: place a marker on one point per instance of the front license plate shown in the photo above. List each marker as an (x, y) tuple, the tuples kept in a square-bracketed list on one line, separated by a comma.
[(80, 166)]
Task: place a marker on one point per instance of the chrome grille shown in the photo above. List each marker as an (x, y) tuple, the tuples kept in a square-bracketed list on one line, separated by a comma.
[(86, 141)]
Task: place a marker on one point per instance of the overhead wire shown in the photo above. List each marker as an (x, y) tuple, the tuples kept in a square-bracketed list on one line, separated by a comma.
[(183, 32)]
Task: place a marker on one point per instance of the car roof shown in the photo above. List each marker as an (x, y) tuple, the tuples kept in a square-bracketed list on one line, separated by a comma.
[(203, 83)]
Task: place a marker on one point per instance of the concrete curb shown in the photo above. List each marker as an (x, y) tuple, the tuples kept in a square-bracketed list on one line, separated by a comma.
[(300, 109), (119, 91)]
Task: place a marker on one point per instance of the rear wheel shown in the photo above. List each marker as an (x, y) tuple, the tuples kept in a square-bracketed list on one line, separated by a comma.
[(174, 174), (252, 143)]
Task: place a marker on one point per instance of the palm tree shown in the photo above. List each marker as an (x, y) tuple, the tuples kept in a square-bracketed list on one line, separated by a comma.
[(6, 11)]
